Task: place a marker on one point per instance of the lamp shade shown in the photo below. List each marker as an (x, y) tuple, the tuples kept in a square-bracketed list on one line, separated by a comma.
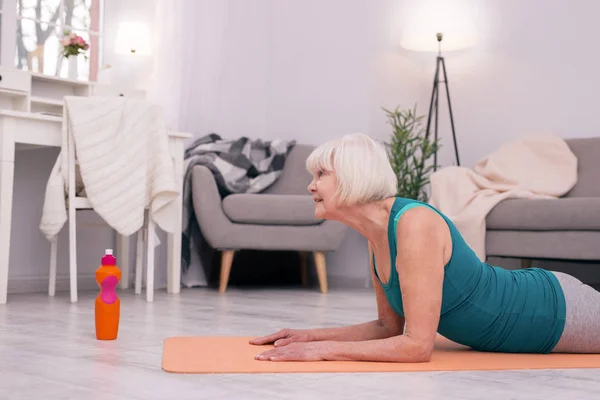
[(427, 42), (427, 18), (133, 38)]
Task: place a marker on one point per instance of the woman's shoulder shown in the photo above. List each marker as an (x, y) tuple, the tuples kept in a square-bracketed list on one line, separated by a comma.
[(416, 217), (415, 211)]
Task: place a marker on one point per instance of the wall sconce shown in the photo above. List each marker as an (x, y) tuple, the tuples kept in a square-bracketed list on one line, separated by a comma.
[(132, 61), (133, 38)]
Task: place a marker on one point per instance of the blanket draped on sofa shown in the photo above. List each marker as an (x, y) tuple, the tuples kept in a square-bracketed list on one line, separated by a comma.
[(241, 165), (532, 167)]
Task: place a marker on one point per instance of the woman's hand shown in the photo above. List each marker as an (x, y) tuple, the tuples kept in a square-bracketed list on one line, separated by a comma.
[(395, 349), (311, 351), (284, 337)]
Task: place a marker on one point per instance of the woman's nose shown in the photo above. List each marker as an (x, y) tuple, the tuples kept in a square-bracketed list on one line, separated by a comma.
[(311, 187)]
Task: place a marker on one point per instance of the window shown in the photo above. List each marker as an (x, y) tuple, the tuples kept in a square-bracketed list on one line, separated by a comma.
[(41, 25)]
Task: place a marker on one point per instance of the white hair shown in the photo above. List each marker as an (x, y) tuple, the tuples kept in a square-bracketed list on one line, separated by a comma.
[(361, 165)]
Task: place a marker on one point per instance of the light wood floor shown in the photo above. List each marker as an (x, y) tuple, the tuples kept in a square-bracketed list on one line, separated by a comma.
[(48, 351)]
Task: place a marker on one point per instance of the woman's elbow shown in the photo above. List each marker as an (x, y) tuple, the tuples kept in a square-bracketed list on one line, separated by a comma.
[(390, 330), (420, 351)]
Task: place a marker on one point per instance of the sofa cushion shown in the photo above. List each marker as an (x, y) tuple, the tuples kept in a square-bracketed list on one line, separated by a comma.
[(575, 213), (270, 209), (586, 150)]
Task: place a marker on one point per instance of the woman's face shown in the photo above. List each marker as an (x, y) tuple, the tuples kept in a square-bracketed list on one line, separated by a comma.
[(323, 188)]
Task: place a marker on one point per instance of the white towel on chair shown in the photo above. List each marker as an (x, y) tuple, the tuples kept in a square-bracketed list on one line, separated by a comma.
[(124, 161)]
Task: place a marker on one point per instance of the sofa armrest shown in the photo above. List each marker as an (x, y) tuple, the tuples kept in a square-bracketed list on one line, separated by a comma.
[(334, 233), (207, 204), (222, 233)]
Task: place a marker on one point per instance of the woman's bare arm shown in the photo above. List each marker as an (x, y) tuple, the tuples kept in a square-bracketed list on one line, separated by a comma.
[(387, 324), (424, 246)]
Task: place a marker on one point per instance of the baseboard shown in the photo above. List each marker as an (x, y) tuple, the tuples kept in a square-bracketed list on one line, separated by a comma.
[(346, 282), (35, 284)]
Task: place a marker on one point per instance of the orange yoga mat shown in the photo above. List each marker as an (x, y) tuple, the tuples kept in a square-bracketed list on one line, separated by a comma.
[(221, 355)]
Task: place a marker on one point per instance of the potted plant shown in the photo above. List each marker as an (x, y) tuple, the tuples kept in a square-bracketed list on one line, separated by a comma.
[(73, 46), (409, 152)]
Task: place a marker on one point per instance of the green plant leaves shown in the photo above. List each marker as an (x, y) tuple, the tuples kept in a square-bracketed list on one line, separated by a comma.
[(409, 152)]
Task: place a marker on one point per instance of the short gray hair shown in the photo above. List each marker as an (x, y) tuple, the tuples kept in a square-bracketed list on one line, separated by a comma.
[(362, 167)]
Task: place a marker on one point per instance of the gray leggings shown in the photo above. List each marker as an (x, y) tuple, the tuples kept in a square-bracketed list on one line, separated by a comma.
[(582, 325)]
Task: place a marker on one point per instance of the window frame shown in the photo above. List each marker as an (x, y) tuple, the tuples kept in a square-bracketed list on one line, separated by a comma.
[(9, 20)]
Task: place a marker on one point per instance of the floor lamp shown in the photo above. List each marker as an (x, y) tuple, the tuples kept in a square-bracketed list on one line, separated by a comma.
[(433, 105)]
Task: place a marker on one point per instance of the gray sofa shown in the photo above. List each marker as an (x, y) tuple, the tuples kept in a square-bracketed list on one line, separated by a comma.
[(566, 229), (280, 218)]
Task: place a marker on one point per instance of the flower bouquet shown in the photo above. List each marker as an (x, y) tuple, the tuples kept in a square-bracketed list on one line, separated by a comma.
[(73, 45)]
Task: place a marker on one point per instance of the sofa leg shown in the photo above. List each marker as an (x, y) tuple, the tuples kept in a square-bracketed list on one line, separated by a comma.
[(303, 268), (226, 261), (321, 270)]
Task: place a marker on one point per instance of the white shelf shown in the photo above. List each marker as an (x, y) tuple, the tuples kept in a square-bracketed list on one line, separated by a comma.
[(43, 95), (70, 82), (13, 93), (28, 115), (46, 101)]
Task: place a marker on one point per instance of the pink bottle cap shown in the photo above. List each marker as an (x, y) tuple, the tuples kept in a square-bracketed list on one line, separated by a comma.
[(108, 258)]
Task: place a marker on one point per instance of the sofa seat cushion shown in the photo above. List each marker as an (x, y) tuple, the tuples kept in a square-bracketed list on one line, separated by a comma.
[(270, 209), (570, 213)]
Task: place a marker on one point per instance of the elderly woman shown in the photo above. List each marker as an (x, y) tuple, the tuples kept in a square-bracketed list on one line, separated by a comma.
[(428, 280)]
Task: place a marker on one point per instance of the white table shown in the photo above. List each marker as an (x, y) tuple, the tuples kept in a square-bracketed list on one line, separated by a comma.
[(22, 130)]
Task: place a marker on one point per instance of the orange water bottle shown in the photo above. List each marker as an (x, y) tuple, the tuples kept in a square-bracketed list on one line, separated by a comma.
[(108, 305)]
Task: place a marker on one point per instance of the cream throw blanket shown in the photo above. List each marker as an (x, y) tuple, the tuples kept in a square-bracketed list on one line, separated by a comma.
[(124, 165), (537, 166)]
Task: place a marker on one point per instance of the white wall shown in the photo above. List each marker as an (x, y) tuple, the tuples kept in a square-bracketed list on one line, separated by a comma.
[(533, 71), (30, 251), (29, 262), (313, 70), (284, 69), (304, 70)]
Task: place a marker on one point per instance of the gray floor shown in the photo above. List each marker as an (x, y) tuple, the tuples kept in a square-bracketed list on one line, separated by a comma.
[(48, 351)]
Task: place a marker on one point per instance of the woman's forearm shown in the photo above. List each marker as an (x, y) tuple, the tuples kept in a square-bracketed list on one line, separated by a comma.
[(394, 349), (366, 331)]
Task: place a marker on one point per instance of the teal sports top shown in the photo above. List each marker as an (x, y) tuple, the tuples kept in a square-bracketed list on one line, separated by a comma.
[(486, 307)]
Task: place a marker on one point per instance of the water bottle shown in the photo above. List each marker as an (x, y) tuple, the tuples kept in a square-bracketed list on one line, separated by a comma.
[(108, 305)]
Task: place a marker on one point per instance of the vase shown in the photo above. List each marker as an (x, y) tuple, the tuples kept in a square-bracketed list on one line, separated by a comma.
[(73, 67)]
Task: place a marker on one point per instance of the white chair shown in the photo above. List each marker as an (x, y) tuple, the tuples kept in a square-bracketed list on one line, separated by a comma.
[(144, 239)]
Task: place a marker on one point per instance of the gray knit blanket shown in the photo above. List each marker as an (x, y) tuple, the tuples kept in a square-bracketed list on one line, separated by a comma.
[(240, 165)]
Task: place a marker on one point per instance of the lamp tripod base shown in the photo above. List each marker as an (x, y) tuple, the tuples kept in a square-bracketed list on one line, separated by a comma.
[(433, 108)]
